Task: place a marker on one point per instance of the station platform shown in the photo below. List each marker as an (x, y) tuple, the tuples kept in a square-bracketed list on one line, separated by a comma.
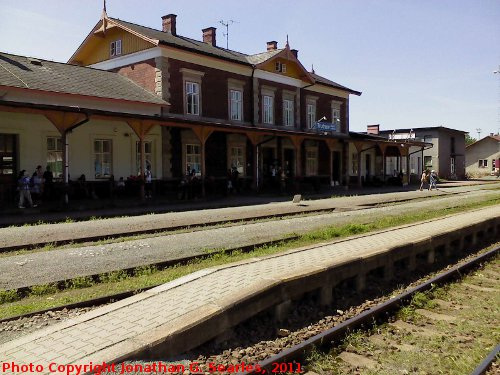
[(184, 313)]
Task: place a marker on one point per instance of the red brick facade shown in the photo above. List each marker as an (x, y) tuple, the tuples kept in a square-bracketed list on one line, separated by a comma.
[(143, 73), (214, 90)]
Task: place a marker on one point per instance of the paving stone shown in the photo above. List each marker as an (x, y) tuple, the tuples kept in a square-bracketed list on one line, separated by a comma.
[(168, 308)]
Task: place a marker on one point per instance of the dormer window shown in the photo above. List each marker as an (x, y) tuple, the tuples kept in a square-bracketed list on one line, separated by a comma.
[(115, 48)]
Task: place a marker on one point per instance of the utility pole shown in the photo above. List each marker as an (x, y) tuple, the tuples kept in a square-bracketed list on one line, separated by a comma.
[(498, 72), (226, 34)]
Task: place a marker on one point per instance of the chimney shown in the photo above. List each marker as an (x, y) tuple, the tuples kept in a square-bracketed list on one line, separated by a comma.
[(209, 35), (295, 52), (492, 134), (169, 24), (272, 45), (372, 129)]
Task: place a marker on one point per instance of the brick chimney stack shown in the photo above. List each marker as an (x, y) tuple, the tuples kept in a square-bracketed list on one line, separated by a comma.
[(169, 24), (209, 36), (372, 129), (295, 52), (272, 45)]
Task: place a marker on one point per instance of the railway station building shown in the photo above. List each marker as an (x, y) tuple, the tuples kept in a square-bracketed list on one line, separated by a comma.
[(132, 98)]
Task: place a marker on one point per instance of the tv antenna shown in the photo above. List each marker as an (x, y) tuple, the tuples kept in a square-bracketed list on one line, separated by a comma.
[(478, 133), (498, 72), (226, 24)]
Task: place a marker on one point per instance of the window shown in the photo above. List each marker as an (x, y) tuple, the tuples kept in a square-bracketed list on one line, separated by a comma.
[(288, 112), (267, 109), (336, 116), (493, 165), (452, 166), (192, 98), (311, 115), (102, 158), (237, 159), (280, 67), (427, 161), (193, 159), (235, 104), (8, 159), (148, 155), (483, 163), (311, 161), (55, 155), (115, 48)]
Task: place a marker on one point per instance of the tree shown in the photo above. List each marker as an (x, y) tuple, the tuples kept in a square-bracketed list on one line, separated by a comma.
[(469, 140)]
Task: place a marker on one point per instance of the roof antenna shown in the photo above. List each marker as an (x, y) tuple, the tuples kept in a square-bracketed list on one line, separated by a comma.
[(226, 34), (312, 69)]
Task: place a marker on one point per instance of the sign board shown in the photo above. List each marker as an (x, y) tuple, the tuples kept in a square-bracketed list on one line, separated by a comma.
[(325, 126)]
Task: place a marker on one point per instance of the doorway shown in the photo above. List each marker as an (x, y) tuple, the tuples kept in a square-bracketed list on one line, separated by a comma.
[(336, 167), (8, 165)]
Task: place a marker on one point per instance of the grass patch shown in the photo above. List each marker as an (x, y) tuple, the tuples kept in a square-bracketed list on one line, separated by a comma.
[(85, 288)]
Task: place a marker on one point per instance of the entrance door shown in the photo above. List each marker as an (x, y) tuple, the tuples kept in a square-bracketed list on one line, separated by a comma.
[(289, 160), (336, 166), (8, 165), (368, 164)]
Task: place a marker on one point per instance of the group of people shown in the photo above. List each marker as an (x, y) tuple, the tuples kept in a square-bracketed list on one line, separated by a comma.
[(428, 178), (33, 188)]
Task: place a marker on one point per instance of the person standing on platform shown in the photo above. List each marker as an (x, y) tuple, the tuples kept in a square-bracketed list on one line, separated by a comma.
[(149, 182), (423, 179), (24, 189)]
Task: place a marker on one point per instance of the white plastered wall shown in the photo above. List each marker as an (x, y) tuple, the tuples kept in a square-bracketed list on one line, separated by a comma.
[(33, 130)]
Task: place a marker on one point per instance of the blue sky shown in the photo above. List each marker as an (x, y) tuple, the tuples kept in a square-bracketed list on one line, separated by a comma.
[(418, 63)]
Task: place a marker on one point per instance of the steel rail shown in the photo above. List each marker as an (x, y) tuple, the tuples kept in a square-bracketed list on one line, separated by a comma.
[(486, 363), (375, 314), (200, 225)]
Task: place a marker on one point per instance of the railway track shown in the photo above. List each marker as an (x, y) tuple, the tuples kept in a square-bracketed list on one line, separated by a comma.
[(293, 358), (166, 227)]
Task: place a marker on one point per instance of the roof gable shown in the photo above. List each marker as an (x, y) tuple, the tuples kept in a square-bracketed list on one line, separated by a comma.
[(488, 138), (96, 46), (273, 61)]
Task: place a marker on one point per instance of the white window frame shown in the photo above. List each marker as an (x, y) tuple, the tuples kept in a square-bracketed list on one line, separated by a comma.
[(192, 92), (267, 109), (193, 158), (336, 115), (235, 105), (115, 48), (311, 114), (55, 153), (483, 163), (426, 164), (288, 112), (148, 156), (99, 156), (311, 161), (192, 78)]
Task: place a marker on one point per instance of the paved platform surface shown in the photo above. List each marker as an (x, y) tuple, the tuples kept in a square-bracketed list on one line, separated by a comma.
[(83, 210), (47, 233), (61, 264), (110, 332)]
